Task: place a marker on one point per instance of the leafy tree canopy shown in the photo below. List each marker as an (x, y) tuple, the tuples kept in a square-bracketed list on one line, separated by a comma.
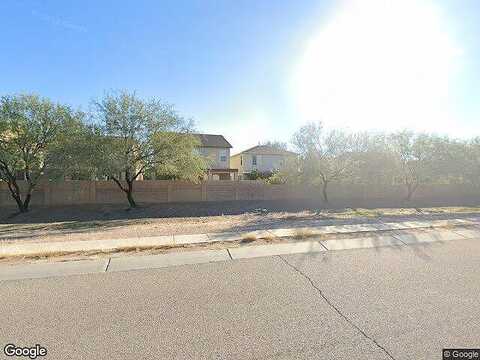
[(139, 136), (31, 130)]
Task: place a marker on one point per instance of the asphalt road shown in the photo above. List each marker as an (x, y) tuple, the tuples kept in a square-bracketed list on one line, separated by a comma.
[(383, 303)]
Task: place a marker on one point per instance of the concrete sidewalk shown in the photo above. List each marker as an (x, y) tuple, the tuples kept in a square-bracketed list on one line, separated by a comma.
[(46, 248), (403, 238)]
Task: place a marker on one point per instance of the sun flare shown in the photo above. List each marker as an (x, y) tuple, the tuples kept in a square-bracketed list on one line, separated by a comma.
[(379, 65)]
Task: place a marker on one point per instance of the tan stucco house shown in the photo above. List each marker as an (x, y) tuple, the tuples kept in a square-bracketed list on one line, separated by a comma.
[(217, 151), (262, 158)]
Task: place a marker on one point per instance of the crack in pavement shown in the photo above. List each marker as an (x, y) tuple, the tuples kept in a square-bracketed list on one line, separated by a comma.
[(336, 309), (108, 264)]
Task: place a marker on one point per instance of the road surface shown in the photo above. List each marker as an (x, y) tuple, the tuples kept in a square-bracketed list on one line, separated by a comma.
[(382, 303)]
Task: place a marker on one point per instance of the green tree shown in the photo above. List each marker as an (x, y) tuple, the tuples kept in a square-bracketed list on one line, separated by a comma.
[(469, 160), (139, 136), (373, 160), (457, 161), (31, 129), (325, 156), (258, 175), (417, 158), (74, 154)]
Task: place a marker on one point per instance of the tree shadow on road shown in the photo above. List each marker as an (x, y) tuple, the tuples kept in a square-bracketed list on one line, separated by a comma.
[(416, 244)]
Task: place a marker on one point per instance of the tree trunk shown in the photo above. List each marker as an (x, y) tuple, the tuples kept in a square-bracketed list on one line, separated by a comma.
[(410, 191), (131, 201), (26, 203), (324, 192), (20, 205), (16, 194), (129, 192)]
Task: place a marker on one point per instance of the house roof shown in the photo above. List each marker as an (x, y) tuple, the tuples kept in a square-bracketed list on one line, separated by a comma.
[(266, 150), (208, 140)]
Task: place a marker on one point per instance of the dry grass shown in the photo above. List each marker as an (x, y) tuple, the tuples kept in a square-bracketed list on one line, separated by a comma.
[(269, 238), (247, 238), (91, 253), (452, 210), (250, 237), (303, 233), (355, 212)]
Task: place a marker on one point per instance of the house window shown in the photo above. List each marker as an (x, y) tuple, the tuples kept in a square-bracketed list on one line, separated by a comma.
[(254, 159), (201, 151), (223, 155), (241, 160)]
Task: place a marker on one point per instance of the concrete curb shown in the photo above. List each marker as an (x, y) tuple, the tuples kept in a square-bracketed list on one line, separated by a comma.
[(361, 243), (276, 249), (45, 248), (408, 237), (128, 263), (166, 260), (45, 270), (23, 249)]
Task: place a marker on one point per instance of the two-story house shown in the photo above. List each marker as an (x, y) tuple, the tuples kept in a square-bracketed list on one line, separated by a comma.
[(216, 149), (261, 158)]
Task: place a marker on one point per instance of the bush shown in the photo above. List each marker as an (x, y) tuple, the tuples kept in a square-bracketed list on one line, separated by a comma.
[(257, 175), (276, 178)]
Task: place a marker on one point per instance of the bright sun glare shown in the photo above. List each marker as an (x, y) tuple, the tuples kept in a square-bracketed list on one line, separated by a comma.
[(382, 65)]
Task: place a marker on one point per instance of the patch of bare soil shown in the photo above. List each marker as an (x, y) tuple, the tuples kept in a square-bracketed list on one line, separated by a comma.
[(70, 223)]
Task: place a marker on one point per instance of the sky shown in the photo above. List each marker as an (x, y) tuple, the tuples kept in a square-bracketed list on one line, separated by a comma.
[(256, 70)]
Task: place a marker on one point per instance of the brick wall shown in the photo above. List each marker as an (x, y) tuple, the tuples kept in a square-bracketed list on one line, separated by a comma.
[(160, 191)]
